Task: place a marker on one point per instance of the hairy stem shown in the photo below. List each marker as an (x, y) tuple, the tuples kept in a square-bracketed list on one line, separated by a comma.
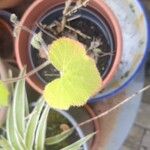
[(46, 63), (74, 9), (64, 18)]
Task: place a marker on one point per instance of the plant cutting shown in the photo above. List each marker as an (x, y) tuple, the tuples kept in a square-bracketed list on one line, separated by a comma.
[(27, 130), (102, 38)]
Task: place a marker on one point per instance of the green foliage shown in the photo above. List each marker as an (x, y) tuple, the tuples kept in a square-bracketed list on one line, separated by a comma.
[(77, 145), (79, 79), (29, 132), (58, 138), (4, 95)]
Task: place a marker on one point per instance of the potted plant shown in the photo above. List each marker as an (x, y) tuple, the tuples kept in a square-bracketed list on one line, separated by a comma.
[(101, 36), (27, 127)]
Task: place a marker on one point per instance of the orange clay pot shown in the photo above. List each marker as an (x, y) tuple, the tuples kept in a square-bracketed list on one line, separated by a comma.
[(39, 9)]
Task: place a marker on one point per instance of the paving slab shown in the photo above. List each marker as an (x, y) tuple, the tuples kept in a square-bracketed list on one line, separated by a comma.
[(143, 118)]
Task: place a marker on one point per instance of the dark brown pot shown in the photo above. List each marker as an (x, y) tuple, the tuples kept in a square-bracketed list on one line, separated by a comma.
[(6, 40), (36, 11), (9, 3)]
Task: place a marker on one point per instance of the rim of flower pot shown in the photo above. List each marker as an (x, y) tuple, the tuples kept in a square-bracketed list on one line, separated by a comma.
[(9, 3), (96, 127), (5, 25), (75, 125), (32, 15)]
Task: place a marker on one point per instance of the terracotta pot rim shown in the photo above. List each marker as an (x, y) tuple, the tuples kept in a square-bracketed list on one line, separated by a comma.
[(116, 28), (96, 126)]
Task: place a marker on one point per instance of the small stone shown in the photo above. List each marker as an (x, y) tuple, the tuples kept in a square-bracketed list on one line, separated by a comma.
[(64, 127)]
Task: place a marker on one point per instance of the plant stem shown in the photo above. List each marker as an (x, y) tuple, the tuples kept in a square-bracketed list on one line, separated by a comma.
[(73, 10), (78, 32), (42, 29), (46, 63), (64, 18)]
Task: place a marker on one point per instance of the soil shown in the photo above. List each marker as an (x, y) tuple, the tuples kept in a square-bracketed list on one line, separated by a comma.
[(86, 26), (6, 43), (54, 122)]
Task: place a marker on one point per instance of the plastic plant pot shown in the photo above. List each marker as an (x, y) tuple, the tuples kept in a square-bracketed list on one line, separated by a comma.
[(73, 123), (134, 54)]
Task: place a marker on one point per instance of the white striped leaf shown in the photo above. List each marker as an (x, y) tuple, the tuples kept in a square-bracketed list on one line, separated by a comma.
[(41, 130)]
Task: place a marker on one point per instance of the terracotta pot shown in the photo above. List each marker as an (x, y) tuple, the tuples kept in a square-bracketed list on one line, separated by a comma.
[(96, 127), (6, 38), (29, 20), (9, 3), (3, 75)]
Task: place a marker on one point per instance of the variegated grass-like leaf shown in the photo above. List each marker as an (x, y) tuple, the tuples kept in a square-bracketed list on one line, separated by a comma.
[(18, 106), (41, 130), (32, 124), (58, 138), (4, 144), (12, 134), (77, 145)]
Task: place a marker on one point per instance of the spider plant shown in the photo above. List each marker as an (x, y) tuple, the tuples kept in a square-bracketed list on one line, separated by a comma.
[(26, 130)]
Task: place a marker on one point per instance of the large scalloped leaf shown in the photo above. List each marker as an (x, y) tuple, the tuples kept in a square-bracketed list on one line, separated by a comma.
[(4, 95), (79, 77)]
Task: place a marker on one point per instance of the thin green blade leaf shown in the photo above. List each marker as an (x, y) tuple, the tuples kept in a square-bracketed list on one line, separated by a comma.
[(4, 98), (32, 124), (77, 145), (12, 134), (4, 144), (41, 130), (58, 138), (19, 105)]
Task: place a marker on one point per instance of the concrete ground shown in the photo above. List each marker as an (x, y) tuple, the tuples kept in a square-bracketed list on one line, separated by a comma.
[(139, 136)]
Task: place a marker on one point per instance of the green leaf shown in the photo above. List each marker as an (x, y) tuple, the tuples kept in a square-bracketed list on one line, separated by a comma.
[(79, 79), (37, 40), (4, 144), (41, 130), (18, 105), (12, 134), (4, 96), (77, 145), (32, 124), (58, 138), (16, 116)]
